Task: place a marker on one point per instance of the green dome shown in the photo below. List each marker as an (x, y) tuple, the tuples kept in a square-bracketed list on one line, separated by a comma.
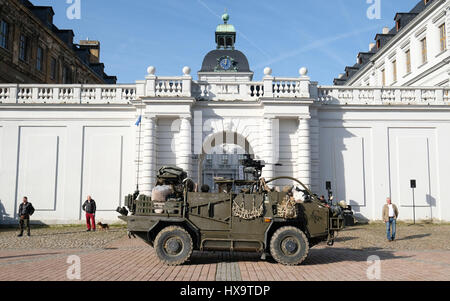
[(225, 28), (225, 17)]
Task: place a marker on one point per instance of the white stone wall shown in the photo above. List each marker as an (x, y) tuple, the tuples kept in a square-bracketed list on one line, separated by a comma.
[(372, 154), (58, 155), (59, 144)]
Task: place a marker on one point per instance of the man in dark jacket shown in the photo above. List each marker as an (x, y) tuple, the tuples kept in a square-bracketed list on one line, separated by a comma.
[(25, 211), (90, 208)]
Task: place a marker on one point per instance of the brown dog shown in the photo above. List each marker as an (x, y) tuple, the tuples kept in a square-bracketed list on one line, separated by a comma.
[(103, 227)]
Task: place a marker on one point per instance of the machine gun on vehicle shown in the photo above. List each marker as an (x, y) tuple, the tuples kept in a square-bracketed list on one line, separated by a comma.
[(252, 167)]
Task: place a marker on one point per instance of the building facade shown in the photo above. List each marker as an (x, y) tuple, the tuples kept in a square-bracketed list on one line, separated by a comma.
[(34, 50), (415, 52), (61, 143)]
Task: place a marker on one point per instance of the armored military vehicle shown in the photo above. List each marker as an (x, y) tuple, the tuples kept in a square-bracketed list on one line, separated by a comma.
[(249, 215)]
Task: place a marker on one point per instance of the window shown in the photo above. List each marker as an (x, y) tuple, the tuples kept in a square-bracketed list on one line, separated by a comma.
[(23, 48), (443, 37), (394, 70), (423, 42), (408, 61), (225, 159), (54, 69), (383, 77), (4, 32), (40, 59), (67, 75)]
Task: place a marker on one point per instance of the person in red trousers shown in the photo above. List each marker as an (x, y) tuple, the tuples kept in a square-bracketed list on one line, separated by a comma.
[(90, 208)]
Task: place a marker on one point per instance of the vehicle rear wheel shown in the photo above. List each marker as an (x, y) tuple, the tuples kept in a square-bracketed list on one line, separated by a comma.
[(289, 246), (173, 246)]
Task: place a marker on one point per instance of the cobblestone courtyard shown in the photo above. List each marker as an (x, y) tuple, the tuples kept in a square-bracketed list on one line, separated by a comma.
[(421, 252)]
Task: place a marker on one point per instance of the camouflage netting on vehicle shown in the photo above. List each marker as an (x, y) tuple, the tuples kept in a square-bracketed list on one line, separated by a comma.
[(172, 175), (245, 214), (287, 209)]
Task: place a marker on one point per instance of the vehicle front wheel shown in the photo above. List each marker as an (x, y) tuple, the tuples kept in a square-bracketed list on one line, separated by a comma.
[(289, 246), (173, 246)]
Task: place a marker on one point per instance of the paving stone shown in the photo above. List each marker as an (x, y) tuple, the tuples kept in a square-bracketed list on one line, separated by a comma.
[(421, 253)]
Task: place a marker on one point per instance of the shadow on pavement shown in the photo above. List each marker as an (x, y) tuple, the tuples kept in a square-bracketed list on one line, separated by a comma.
[(414, 237), (74, 232), (335, 255), (351, 229), (28, 255), (344, 239), (220, 257), (316, 256)]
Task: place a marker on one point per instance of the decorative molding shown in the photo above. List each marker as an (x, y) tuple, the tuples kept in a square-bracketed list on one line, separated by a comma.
[(392, 56), (419, 34), (438, 17), (406, 44)]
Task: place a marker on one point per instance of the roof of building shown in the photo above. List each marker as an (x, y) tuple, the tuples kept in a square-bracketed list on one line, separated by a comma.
[(382, 39), (225, 39), (212, 59), (45, 15), (225, 28)]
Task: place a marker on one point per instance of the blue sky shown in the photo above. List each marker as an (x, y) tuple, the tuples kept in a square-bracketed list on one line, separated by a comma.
[(323, 35)]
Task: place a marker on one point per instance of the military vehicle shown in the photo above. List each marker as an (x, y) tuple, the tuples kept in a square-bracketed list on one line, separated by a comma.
[(245, 216)]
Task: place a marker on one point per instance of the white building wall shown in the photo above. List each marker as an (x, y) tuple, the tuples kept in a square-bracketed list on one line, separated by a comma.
[(372, 154), (372, 142), (435, 72), (57, 157)]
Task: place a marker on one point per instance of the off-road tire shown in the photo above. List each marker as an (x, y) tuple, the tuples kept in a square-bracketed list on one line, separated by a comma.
[(175, 240), (297, 251)]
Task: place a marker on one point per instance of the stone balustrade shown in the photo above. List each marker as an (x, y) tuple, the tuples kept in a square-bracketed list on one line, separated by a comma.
[(66, 94), (175, 87), (245, 91), (169, 86), (286, 87), (223, 89), (333, 95)]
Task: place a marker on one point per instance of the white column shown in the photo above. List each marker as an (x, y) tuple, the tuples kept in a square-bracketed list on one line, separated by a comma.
[(184, 149), (187, 82), (304, 152), (447, 26), (315, 153), (149, 155), (268, 149), (268, 83)]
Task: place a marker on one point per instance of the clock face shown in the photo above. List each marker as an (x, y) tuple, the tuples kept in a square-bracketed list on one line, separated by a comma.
[(225, 63)]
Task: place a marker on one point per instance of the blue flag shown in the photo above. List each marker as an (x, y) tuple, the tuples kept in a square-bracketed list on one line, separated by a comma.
[(138, 122)]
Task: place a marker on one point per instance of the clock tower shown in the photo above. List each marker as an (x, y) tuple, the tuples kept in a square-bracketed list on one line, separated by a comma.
[(225, 62), (225, 34)]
